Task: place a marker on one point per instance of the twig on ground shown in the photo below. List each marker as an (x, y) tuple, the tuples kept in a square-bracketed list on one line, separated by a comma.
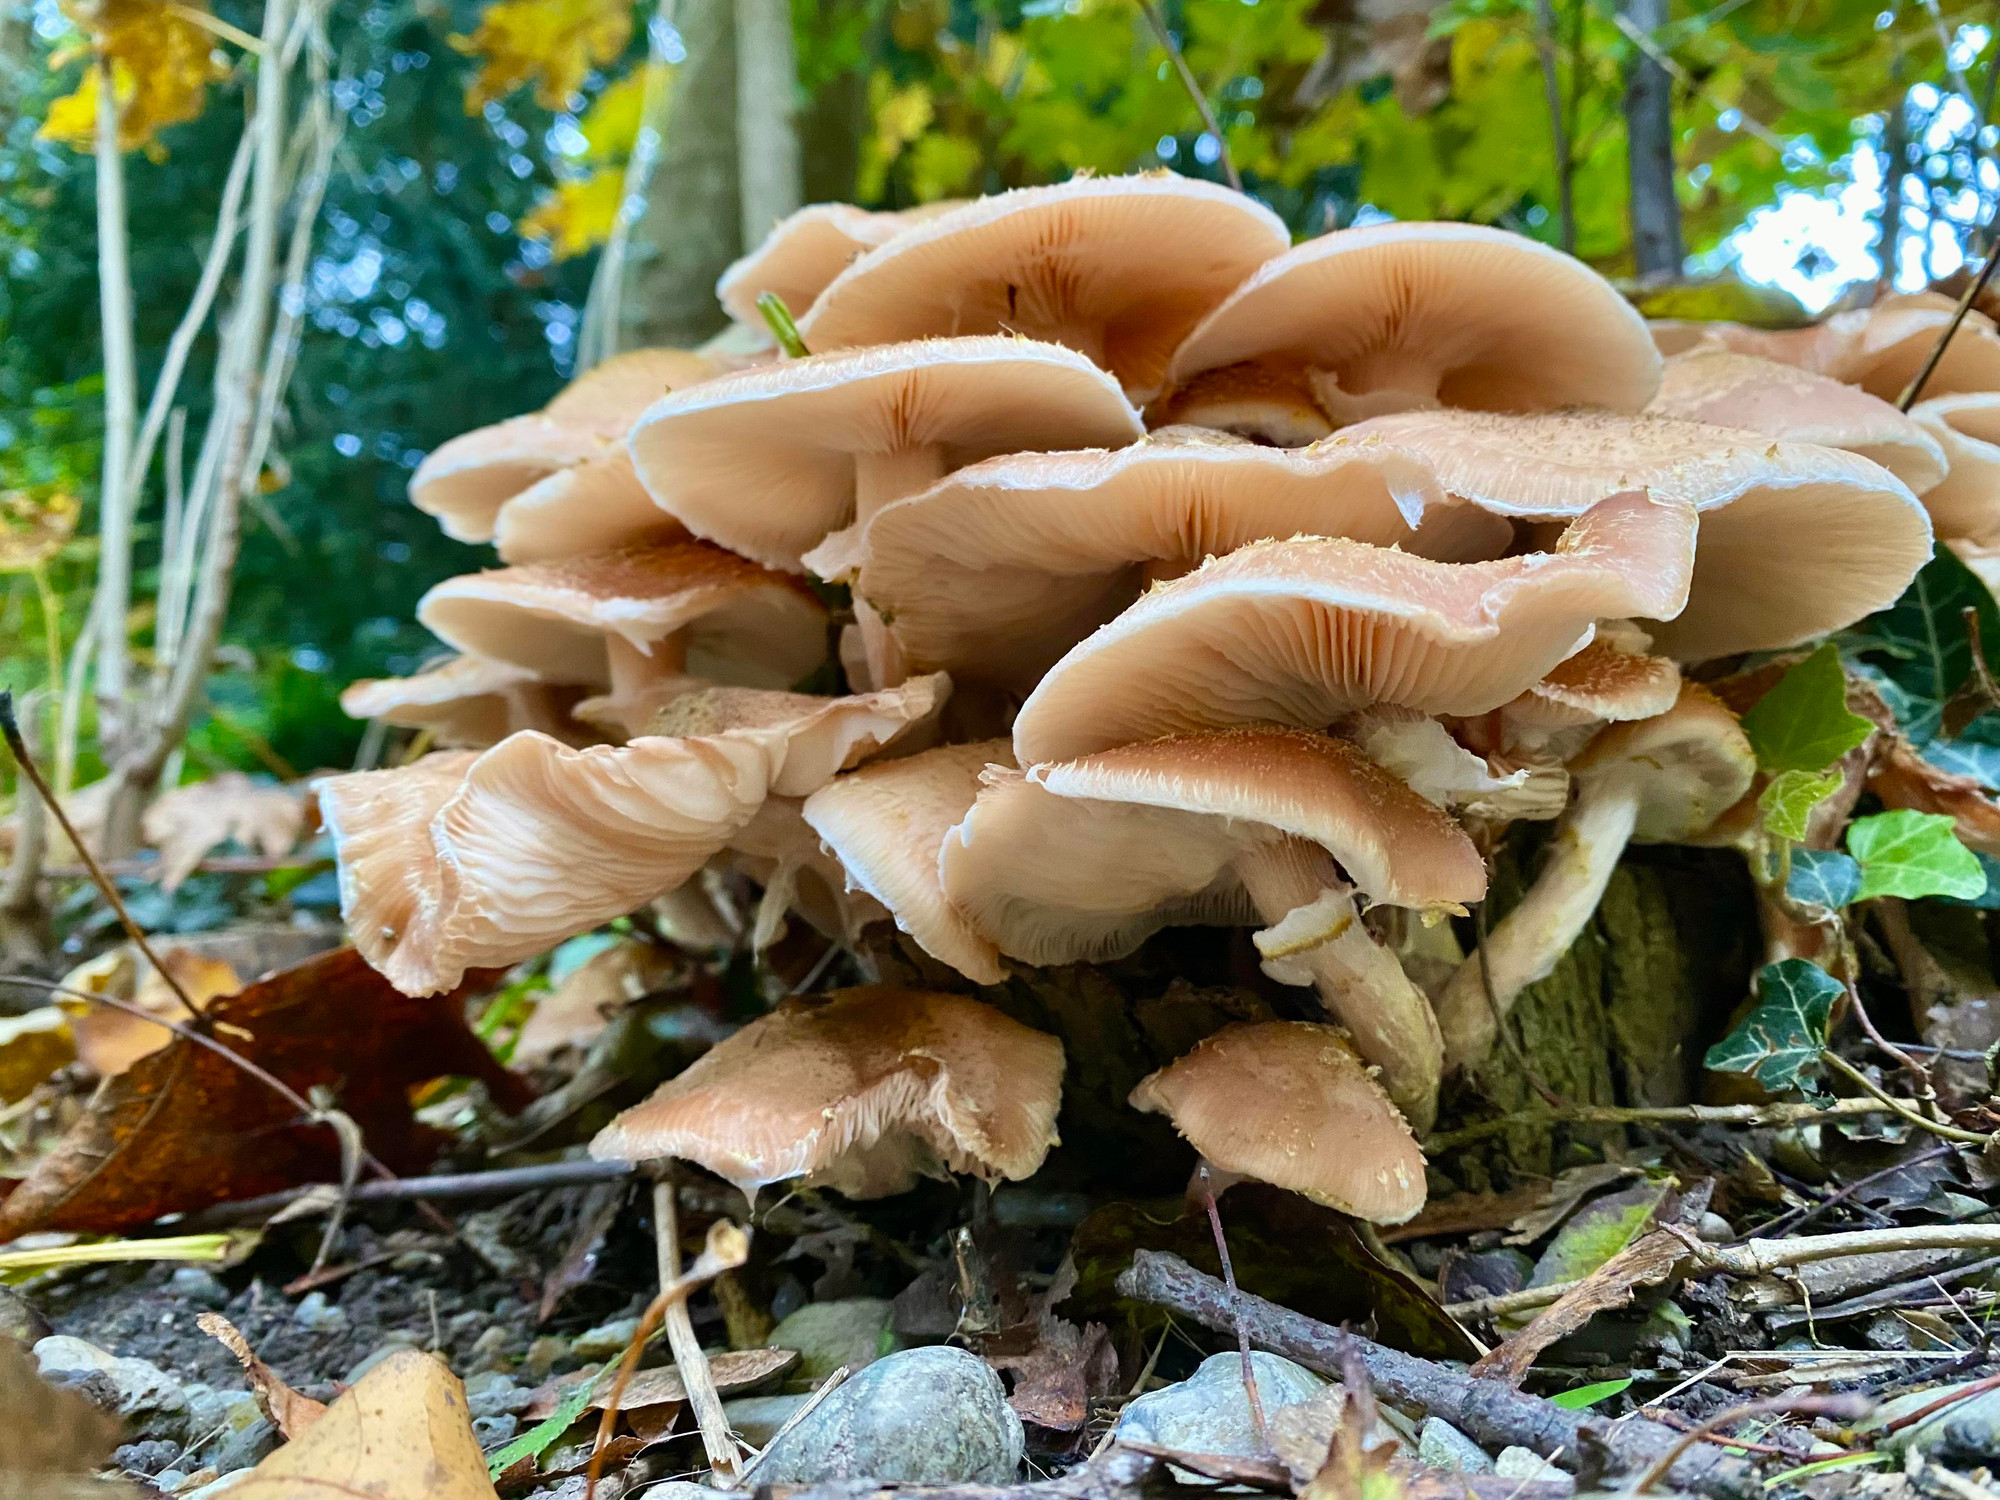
[(1678, 1114), (1193, 87), (1900, 1107), (503, 1180), (1205, 1179), (1952, 1398), (1490, 1412), (1795, 1219), (1792, 1402), (827, 1387), (693, 1364)]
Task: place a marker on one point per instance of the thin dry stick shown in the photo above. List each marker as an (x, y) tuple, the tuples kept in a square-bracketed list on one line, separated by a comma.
[(1899, 1107), (1153, 19), (1971, 295), (1792, 1402), (1207, 1180), (24, 758), (121, 407), (700, 1385), (1671, 1114), (1545, 44)]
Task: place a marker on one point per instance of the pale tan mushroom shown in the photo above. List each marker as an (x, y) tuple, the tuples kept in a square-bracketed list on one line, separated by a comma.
[(1304, 632), (1116, 268), (1851, 535), (997, 570), (466, 702), (807, 249), (1081, 860), (1965, 507), (594, 506), (1659, 780), (629, 618), (465, 482), (1398, 316), (887, 823), (1292, 1104), (1722, 388), (862, 1092)]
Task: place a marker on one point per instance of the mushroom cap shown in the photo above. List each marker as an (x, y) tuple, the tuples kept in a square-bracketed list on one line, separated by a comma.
[(762, 461), (1599, 685), (1270, 400), (808, 740), (743, 623), (781, 852), (462, 700), (1878, 348), (1720, 387), (1000, 568), (390, 895), (886, 823), (1082, 860), (465, 481), (806, 250), (1851, 534), (1504, 323), (836, 1092), (1692, 764), (1965, 505), (593, 506), (1083, 254), (611, 395), (1291, 1103), (1304, 631)]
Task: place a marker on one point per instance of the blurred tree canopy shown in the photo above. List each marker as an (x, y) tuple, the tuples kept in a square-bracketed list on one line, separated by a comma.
[(485, 155)]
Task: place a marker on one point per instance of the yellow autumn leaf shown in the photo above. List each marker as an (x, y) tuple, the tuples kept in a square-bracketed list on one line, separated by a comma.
[(552, 44), (34, 528), (578, 215), (162, 63), (611, 125)]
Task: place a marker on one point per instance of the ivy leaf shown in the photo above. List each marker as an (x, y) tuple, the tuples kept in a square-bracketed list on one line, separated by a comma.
[(1911, 854), (1804, 724), (1823, 877), (1780, 1041), (1925, 651), (1988, 899), (1788, 801)]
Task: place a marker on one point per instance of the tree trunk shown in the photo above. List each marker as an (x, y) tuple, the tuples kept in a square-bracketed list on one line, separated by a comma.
[(1895, 160), (767, 141), (1649, 133), (692, 227)]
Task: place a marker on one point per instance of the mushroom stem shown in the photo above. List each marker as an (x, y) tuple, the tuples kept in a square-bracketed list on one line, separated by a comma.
[(1529, 942), (633, 670), (1358, 980)]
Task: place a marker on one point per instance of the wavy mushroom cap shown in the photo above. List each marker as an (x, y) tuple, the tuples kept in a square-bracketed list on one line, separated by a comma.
[(1722, 388), (1392, 316), (594, 506), (1000, 568), (390, 892), (1691, 765), (742, 623), (465, 481), (1601, 684), (1304, 631), (1291, 1103), (806, 250), (610, 396), (807, 740), (1879, 348), (466, 702), (769, 461), (1082, 263), (886, 823), (1851, 535), (860, 1093), (1966, 505), (1082, 860)]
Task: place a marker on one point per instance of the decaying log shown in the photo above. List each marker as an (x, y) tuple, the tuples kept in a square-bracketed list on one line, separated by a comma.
[(1490, 1412)]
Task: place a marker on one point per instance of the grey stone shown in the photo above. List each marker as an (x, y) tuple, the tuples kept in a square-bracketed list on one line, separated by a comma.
[(495, 1429), (1967, 1431), (205, 1412), (544, 1354), (148, 1400), (317, 1315), (19, 1320), (489, 1350), (395, 1343), (855, 1333), (246, 1435), (756, 1419), (149, 1456), (169, 1480), (1443, 1446), (606, 1340), (491, 1393), (1525, 1463), (921, 1416), (199, 1285), (1209, 1412), (217, 1487)]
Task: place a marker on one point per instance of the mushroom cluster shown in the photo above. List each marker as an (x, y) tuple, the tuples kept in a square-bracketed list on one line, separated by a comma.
[(1195, 578)]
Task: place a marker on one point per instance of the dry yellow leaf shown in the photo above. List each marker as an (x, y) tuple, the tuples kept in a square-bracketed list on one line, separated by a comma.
[(552, 44), (162, 63), (579, 215), (32, 1046), (187, 822), (402, 1433), (109, 1040), (34, 528)]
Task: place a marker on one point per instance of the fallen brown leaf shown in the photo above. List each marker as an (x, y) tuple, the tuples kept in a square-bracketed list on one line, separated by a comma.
[(185, 1127), (1055, 1380), (576, 1011), (289, 1412), (108, 1041), (188, 821), (32, 1046), (735, 1370), (1904, 779), (402, 1433), (49, 1432), (1649, 1259)]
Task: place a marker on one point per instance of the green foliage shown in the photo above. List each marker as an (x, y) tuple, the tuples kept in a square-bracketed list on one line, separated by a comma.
[(1912, 854), (1804, 723), (1787, 802), (1779, 1043), (1918, 655), (1824, 878), (1586, 1396)]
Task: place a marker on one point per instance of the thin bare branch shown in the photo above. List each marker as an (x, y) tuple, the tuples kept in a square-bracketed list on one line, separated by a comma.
[(113, 601), (1193, 87), (1545, 45), (1973, 288)]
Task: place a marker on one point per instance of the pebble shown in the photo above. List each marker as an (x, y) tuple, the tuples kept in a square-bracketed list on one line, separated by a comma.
[(494, 1430), (606, 1340), (199, 1285), (1525, 1463), (544, 1354), (855, 1332), (395, 1343), (1966, 1432), (1209, 1412), (921, 1416), (489, 1350), (169, 1480), (492, 1394), (149, 1456), (19, 1320), (756, 1419), (247, 1435), (149, 1400), (317, 1315), (1443, 1446)]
